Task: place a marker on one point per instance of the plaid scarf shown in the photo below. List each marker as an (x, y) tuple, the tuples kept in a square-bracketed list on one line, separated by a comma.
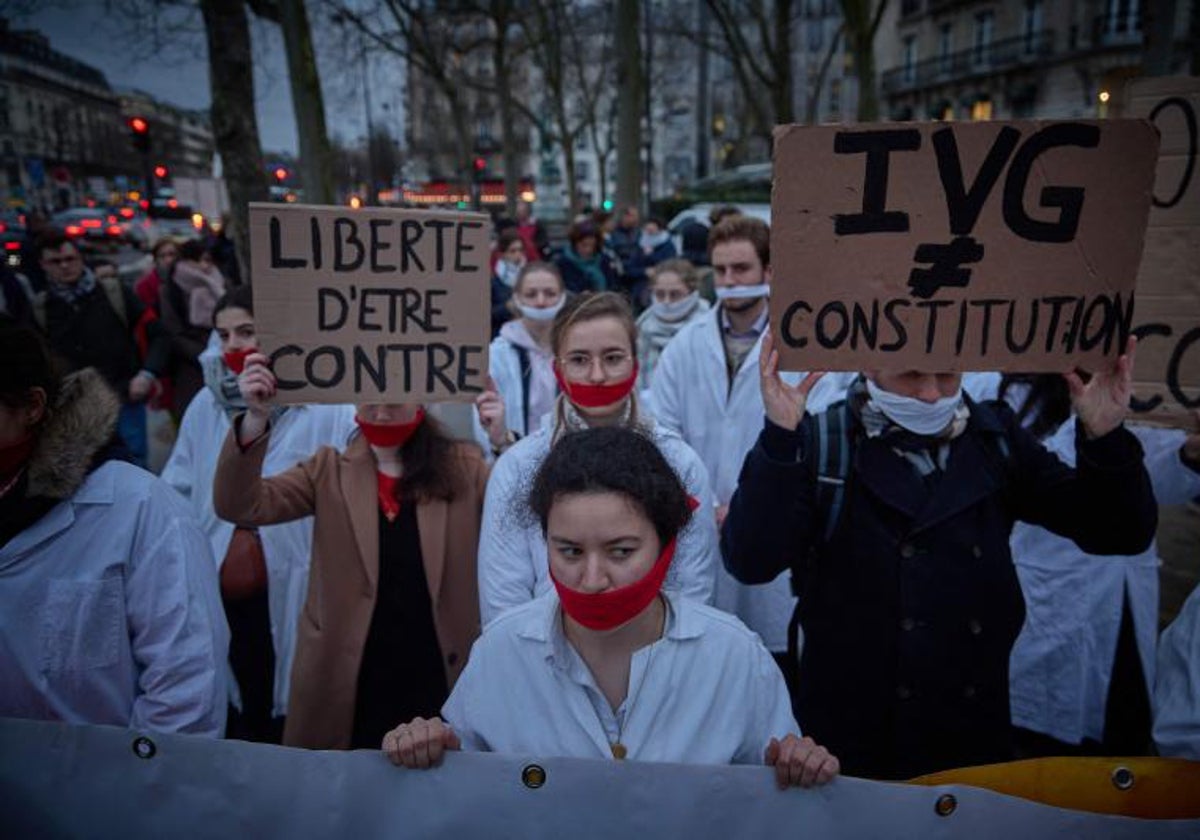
[(72, 293), (928, 454)]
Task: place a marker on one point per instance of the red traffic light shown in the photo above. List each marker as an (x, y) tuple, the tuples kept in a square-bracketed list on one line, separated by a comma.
[(480, 164), (160, 171), (139, 125), (281, 174)]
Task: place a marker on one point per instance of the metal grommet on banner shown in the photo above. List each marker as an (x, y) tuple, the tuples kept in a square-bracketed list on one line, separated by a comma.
[(533, 776), (1122, 778), (945, 805), (143, 747)]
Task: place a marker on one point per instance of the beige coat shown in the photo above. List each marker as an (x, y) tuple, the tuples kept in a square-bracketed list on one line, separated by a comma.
[(339, 489)]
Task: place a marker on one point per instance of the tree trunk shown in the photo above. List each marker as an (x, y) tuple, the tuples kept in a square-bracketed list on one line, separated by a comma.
[(508, 140), (316, 159), (864, 69), (629, 101), (783, 90), (235, 126)]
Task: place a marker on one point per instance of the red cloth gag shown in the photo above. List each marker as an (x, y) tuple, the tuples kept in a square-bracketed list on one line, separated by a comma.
[(595, 396)]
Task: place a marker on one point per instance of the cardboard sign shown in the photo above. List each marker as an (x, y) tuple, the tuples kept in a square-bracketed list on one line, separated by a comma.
[(371, 306), (1167, 372), (951, 247)]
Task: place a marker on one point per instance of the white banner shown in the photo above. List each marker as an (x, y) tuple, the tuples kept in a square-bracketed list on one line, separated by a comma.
[(91, 781)]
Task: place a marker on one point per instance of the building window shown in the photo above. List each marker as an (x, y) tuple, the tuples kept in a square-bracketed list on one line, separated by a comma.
[(982, 109), (1032, 24), (582, 170), (984, 22), (909, 7), (910, 59), (816, 35), (945, 33)]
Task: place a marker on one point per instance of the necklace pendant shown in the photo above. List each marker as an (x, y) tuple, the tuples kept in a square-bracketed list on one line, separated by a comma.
[(618, 750)]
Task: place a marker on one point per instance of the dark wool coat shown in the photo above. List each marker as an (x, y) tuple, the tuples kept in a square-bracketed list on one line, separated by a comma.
[(911, 610)]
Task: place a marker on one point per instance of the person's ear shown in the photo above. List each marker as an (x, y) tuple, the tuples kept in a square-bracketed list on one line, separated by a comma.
[(35, 408)]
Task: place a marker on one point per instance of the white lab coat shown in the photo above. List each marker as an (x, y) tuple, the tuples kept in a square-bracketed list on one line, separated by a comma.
[(504, 366), (692, 397), (1177, 685), (110, 612), (512, 549), (295, 436), (1062, 661), (707, 692)]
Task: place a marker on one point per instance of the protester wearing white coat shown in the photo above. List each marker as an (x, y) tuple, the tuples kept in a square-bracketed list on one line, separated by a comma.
[(109, 609), (694, 398), (513, 564), (1177, 685), (594, 339), (1062, 663), (295, 436), (520, 361)]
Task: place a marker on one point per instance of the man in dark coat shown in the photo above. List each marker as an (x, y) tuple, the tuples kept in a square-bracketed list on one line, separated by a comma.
[(909, 600), (100, 323)]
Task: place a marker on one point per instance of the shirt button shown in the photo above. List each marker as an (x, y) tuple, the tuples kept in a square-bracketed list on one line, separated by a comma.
[(452, 659), (907, 624), (903, 692), (907, 550), (975, 627), (969, 692), (977, 552)]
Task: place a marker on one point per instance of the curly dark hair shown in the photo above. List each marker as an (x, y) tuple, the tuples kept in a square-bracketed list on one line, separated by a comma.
[(613, 459)]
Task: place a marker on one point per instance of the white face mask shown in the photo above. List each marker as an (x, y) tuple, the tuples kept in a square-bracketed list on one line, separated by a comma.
[(742, 292), (675, 310), (917, 416), (547, 314)]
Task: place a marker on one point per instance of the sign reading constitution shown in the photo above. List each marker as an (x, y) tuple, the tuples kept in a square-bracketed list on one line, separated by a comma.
[(375, 305), (944, 247)]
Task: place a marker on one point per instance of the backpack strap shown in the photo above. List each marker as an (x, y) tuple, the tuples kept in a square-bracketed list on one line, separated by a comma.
[(526, 372), (831, 448)]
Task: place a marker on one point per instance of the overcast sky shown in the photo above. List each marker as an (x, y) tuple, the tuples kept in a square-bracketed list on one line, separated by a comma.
[(177, 71)]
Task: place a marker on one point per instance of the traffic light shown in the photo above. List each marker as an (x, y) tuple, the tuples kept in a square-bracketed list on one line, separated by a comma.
[(480, 165), (160, 172), (139, 132), (280, 174)]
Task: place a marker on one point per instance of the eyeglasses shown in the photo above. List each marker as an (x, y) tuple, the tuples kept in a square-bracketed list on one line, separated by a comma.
[(579, 365)]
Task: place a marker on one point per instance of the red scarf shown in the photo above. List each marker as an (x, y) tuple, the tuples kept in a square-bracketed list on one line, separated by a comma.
[(390, 434), (235, 360), (595, 396), (606, 610), (389, 495)]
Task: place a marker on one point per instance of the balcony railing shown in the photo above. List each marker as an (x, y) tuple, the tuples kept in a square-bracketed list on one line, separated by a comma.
[(977, 61)]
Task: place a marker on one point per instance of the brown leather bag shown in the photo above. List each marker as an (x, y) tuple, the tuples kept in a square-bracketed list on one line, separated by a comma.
[(244, 570)]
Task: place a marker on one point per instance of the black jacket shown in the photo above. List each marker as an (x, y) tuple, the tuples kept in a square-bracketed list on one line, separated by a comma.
[(89, 333), (911, 610)]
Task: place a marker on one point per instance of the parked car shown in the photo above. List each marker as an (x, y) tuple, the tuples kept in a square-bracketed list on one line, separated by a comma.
[(699, 213), (135, 226), (90, 228), (167, 220)]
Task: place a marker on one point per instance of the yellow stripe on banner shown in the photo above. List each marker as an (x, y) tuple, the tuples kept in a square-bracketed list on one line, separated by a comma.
[(1149, 788)]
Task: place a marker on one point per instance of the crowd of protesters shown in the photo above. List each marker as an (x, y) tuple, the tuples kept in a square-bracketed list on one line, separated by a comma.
[(651, 544)]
